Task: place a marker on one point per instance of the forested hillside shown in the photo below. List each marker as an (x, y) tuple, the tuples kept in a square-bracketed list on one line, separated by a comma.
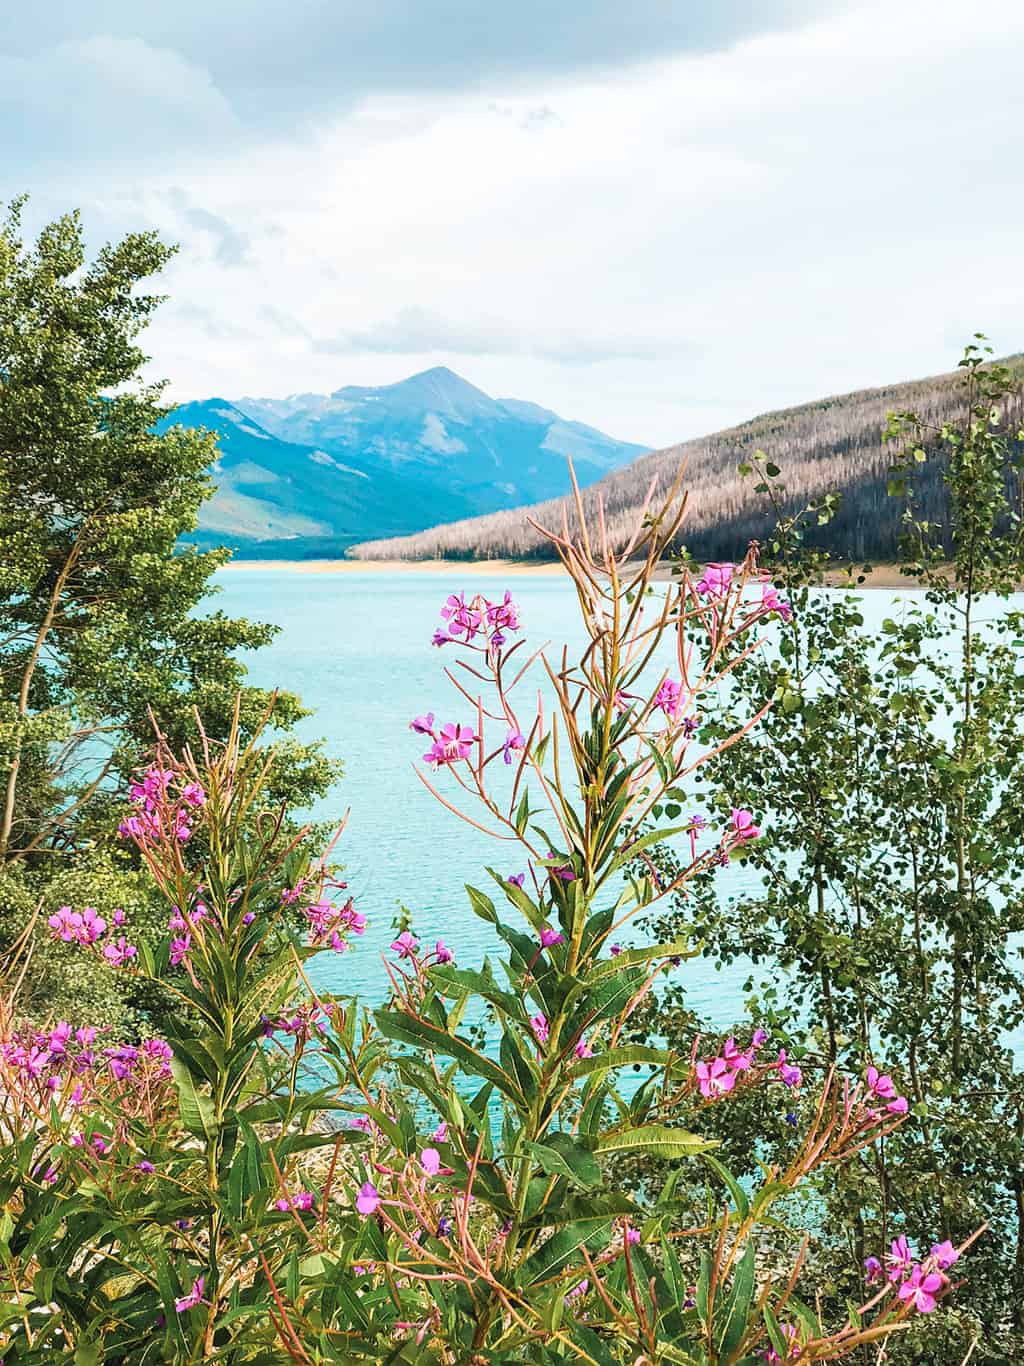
[(832, 444)]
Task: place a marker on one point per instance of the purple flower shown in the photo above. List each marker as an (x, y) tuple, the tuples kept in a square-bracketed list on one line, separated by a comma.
[(368, 1199), (405, 945), (442, 953), (789, 1074), (715, 581), (668, 696), (872, 1270), (513, 740), (615, 950), (301, 1200), (454, 743), (759, 1037), (444, 1227), (194, 1296), (516, 879), (540, 1028), (900, 1258), (549, 936), (180, 949), (922, 1289), (945, 1255), (423, 725), (564, 872), (119, 952), (743, 826), (145, 1166)]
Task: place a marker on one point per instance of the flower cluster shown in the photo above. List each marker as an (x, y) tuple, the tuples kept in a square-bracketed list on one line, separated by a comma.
[(328, 924), (87, 928), (164, 803), (718, 580), (451, 743), (717, 1076), (466, 622), (920, 1285)]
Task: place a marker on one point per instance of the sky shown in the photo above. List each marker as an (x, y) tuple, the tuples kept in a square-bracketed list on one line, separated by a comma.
[(660, 218)]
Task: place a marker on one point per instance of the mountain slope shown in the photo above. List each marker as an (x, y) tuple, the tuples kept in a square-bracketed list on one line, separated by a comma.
[(287, 498), (835, 443), (484, 453)]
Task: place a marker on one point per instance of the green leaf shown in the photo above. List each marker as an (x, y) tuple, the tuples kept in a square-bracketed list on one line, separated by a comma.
[(653, 1140), (620, 1057), (403, 1028), (197, 1110), (563, 1248), (561, 1155)]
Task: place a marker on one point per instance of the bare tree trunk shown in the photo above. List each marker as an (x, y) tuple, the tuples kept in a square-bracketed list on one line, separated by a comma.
[(45, 627)]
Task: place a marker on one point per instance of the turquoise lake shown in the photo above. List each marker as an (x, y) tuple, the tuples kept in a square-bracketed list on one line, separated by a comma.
[(356, 646)]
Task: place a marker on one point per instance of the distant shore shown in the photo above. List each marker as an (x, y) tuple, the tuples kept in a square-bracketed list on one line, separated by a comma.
[(881, 576)]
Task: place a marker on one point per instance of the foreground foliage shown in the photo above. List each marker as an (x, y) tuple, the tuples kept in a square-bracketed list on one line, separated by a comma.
[(99, 632), (890, 769), (188, 1198)]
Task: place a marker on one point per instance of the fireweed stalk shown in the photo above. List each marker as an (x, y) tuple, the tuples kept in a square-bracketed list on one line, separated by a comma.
[(510, 1204), (190, 1199), (177, 1168)]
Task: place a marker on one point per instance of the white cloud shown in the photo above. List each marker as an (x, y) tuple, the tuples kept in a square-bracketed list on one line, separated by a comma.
[(661, 252)]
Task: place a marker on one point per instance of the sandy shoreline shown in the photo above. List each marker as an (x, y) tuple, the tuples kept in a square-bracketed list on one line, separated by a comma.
[(881, 576), (449, 567)]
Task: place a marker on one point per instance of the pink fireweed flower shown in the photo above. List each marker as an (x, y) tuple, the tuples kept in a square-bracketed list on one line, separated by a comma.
[(771, 602), (442, 953), (440, 1134), (405, 945), (900, 1258), (759, 1037), (513, 740), (922, 1289), (193, 795), (715, 1078), (454, 744), (872, 1270), (791, 1333), (550, 936), (194, 1296), (668, 696), (743, 826), (118, 918), (632, 1235), (423, 725), (899, 1106), (504, 615), (93, 927), (945, 1255), (583, 1049), (789, 1073), (577, 1291), (463, 620), (738, 1060), (715, 581), (880, 1085), (58, 1038), (563, 872), (301, 1200), (64, 923), (180, 949), (430, 1161), (368, 1199), (119, 952), (516, 880), (541, 1031)]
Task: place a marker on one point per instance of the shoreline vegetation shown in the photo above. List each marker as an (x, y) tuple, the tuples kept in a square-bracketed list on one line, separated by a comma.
[(878, 576)]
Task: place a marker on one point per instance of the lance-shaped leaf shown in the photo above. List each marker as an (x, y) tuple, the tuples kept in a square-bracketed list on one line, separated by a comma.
[(197, 1112), (653, 1140), (561, 1155), (563, 1248), (417, 1033)]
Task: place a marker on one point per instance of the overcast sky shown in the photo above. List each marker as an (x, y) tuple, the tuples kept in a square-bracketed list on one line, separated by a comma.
[(659, 217)]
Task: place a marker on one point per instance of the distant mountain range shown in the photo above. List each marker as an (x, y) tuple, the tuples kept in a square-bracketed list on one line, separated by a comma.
[(832, 444), (311, 474)]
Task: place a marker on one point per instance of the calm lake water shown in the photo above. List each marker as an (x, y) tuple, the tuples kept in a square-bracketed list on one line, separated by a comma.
[(356, 646)]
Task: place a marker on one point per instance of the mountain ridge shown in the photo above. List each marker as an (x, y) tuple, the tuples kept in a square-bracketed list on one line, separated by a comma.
[(827, 444), (310, 474)]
